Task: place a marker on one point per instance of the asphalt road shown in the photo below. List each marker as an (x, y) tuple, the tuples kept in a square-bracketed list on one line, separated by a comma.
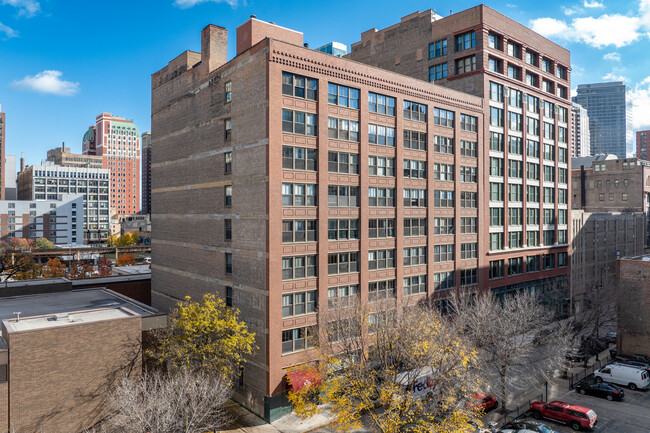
[(632, 415)]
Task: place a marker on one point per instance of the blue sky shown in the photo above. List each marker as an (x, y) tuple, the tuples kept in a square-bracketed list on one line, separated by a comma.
[(62, 61)]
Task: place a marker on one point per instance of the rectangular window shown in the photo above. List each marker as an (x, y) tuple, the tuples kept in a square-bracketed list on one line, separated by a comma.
[(415, 169), (296, 340), (342, 129), (496, 116), (297, 122), (549, 195), (342, 96), (515, 192), (299, 86), (515, 145), (381, 259), (468, 123), (561, 72), (532, 127), (443, 144), (562, 260), (415, 111), (438, 48), (547, 65), (415, 140), (416, 256), (443, 280), (441, 253), (548, 237), (415, 285), (466, 64), (468, 199), (465, 41), (228, 90), (515, 168), (381, 197), (532, 80), (299, 231), (228, 162), (382, 135), (514, 121), (418, 226), (299, 267), (496, 166), (468, 174), (514, 239), (299, 194), (227, 226), (342, 229), (227, 123), (381, 166), (549, 174), (299, 158), (562, 136), (531, 58), (496, 92), (443, 117), (494, 41), (468, 148), (514, 98), (296, 304), (343, 296), (468, 225), (342, 263), (381, 228), (468, 277), (496, 141), (496, 269), (496, 241), (227, 202), (548, 261), (341, 162), (469, 250), (514, 50), (442, 226), (496, 191), (381, 104), (415, 197), (514, 72), (549, 131), (516, 266), (228, 261), (342, 196), (437, 72), (532, 171), (495, 65), (381, 290), (443, 172), (443, 199), (515, 216)]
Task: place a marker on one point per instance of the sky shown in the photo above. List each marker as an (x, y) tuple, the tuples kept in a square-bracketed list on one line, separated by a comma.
[(62, 62)]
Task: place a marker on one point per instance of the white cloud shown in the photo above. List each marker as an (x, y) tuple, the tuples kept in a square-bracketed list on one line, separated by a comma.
[(27, 8), (594, 4), (641, 105), (48, 82), (568, 11), (549, 27), (613, 76), (574, 92), (8, 31), (617, 30), (184, 4), (613, 57)]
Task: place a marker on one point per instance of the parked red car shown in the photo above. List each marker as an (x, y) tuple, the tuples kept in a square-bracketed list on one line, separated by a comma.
[(485, 402), (575, 416)]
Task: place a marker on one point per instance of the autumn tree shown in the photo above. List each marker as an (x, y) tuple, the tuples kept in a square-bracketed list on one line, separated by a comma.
[(184, 401), (14, 262), (21, 244), (44, 244), (391, 368), (78, 269), (519, 344), (104, 266), (27, 269), (205, 336), (54, 269), (125, 260)]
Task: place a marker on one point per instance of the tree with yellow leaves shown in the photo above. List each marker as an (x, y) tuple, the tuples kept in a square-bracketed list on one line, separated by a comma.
[(391, 367), (206, 336)]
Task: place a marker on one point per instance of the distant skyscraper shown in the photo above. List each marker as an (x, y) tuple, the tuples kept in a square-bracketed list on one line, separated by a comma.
[(643, 144), (609, 106), (117, 141), (10, 177), (146, 173), (334, 48), (580, 141), (2, 154)]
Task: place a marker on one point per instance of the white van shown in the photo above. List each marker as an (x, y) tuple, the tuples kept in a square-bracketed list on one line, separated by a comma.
[(632, 377)]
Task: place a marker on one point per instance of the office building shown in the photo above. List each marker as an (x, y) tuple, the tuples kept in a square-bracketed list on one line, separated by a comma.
[(334, 48), (523, 80), (146, 173), (3, 149), (10, 177), (62, 156), (58, 220), (61, 354), (609, 107), (310, 179), (632, 305), (48, 181), (580, 137), (117, 141), (643, 144)]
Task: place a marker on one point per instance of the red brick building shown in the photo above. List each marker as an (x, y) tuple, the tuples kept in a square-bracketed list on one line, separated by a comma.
[(643, 144), (524, 81), (117, 141)]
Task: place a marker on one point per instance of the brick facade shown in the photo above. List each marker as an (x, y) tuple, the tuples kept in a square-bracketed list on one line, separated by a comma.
[(633, 305)]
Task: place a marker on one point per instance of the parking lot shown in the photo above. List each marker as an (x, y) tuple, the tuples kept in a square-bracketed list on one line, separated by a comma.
[(632, 415)]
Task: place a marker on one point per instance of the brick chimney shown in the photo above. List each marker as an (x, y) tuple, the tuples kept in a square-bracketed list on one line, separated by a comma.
[(214, 47), (254, 31)]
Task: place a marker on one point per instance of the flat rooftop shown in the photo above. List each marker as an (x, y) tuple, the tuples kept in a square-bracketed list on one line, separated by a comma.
[(72, 301), (51, 321)]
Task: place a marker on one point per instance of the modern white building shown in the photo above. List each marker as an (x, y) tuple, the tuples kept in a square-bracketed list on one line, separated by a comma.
[(580, 137), (48, 181), (11, 192), (60, 220)]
